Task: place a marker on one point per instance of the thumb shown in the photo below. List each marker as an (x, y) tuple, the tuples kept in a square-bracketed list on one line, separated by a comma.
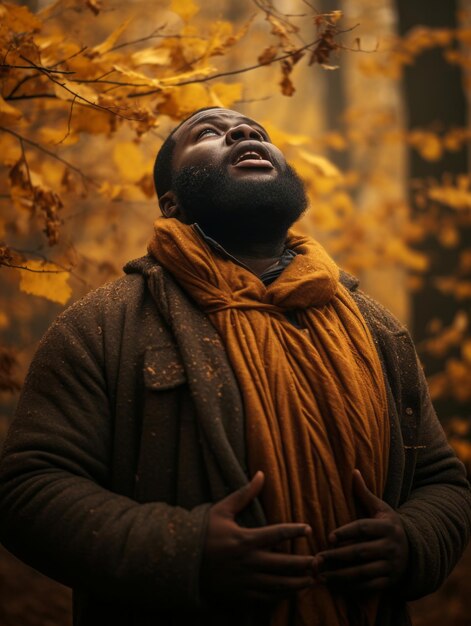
[(238, 500), (372, 503)]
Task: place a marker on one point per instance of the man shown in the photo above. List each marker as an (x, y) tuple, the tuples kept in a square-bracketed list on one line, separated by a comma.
[(232, 433)]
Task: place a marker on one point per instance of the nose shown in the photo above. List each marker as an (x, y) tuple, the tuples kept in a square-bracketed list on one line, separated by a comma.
[(242, 132)]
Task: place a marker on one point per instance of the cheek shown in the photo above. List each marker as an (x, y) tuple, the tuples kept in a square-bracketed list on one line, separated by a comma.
[(204, 153), (279, 156)]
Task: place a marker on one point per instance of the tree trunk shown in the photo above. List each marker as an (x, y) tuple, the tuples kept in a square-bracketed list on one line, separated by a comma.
[(434, 100)]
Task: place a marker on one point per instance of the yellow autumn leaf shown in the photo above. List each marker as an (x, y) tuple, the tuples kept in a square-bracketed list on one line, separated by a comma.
[(7, 111), (152, 56), (109, 191), (321, 165), (197, 73), (281, 138), (225, 94), (19, 18), (66, 90), (110, 41), (229, 37), (186, 9), (427, 144), (130, 161), (335, 16), (335, 140), (448, 236), (451, 196), (57, 135), (278, 28), (466, 350), (46, 281), (10, 149), (186, 99), (137, 77), (88, 119)]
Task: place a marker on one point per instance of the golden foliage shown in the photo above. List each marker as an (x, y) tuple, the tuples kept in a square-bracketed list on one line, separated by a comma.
[(396, 53), (83, 115), (46, 280)]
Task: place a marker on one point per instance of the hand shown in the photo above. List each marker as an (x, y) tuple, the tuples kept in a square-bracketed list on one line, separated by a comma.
[(239, 563), (370, 554)]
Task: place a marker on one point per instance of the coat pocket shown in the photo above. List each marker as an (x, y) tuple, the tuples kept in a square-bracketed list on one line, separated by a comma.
[(157, 463), (163, 368)]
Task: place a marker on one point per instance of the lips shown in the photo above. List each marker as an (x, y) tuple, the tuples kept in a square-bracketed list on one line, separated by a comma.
[(248, 155)]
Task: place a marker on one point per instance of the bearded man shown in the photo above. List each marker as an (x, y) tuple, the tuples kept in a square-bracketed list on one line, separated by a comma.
[(233, 433)]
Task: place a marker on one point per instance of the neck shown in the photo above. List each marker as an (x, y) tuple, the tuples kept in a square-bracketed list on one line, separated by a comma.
[(257, 257)]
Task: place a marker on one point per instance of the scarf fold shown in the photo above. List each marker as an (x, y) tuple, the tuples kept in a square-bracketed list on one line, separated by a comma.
[(314, 396)]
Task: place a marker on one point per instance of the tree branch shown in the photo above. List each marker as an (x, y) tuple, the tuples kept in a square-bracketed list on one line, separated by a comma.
[(68, 122), (38, 67), (32, 96), (46, 259), (242, 70), (76, 95), (25, 161), (49, 153), (29, 269)]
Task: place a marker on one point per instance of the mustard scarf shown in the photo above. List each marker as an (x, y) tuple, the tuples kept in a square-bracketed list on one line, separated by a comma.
[(314, 396)]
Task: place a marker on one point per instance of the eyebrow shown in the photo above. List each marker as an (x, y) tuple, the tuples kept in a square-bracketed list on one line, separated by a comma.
[(217, 118)]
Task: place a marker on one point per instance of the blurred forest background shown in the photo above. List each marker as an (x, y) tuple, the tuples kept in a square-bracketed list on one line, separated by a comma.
[(370, 101)]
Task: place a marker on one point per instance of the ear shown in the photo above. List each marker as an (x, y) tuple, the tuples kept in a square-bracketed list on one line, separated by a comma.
[(168, 205)]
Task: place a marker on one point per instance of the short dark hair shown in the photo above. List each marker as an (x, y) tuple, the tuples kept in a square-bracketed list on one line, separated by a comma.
[(163, 161)]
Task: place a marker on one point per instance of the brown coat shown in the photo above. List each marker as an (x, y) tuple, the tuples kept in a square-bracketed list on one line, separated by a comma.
[(131, 424)]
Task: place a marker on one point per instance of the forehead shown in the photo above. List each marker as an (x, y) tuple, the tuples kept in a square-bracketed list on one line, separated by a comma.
[(223, 116)]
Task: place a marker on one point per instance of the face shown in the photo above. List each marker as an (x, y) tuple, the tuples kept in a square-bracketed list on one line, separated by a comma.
[(231, 180), (224, 138)]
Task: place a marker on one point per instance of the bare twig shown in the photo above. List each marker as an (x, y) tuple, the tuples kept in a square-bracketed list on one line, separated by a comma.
[(242, 70), (49, 153), (39, 67), (47, 260), (29, 269), (109, 82), (25, 161), (76, 95), (252, 100), (72, 56), (153, 35), (7, 51), (17, 86), (68, 122), (27, 78), (32, 96)]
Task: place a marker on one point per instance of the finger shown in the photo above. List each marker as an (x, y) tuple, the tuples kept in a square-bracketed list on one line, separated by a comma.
[(372, 503), (356, 553), (361, 529), (270, 536), (238, 500), (377, 584), (357, 574), (280, 563), (261, 597), (280, 584)]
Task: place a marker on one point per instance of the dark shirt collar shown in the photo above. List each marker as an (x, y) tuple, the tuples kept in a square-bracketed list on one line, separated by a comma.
[(267, 276)]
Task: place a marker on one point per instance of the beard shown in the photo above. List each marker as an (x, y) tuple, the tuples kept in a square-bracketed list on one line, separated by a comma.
[(240, 213)]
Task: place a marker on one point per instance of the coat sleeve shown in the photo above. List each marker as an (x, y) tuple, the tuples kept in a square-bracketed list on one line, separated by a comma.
[(437, 514), (57, 512)]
